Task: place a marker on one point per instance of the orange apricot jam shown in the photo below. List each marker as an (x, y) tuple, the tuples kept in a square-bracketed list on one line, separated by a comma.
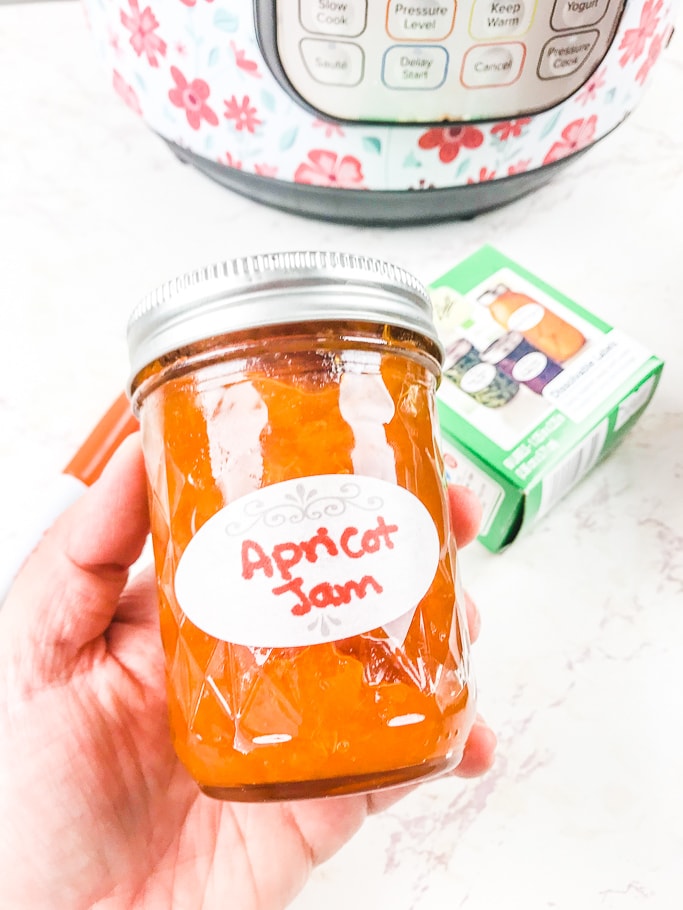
[(306, 570)]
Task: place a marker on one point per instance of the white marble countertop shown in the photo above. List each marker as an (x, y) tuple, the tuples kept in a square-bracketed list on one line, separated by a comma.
[(579, 661)]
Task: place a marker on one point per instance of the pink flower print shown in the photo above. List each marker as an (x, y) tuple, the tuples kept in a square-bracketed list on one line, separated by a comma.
[(113, 42), (142, 26), (591, 89), (230, 161), (242, 113), (635, 39), (126, 93), (653, 52), (248, 66), (330, 129), (265, 170), (508, 128), (449, 140), (193, 2), (484, 175), (325, 168), (519, 168), (575, 136), (192, 97)]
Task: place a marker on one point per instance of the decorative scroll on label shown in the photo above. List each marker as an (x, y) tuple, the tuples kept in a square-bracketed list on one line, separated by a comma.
[(309, 560)]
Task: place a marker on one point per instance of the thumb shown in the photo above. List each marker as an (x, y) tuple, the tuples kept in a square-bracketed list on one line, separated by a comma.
[(68, 590)]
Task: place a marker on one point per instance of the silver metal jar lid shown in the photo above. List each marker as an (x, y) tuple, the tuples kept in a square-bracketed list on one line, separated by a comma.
[(276, 289)]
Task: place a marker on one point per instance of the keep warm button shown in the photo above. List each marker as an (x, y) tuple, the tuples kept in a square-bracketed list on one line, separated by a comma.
[(564, 55), (501, 18)]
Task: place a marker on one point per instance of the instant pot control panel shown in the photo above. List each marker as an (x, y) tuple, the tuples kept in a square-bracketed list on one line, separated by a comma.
[(430, 61)]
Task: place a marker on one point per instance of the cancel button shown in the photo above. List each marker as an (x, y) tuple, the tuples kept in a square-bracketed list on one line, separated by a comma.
[(496, 64)]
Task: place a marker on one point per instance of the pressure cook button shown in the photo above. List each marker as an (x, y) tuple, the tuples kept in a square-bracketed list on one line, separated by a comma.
[(345, 18), (422, 19), (492, 64), (501, 18), (417, 67), (333, 63), (577, 13), (565, 54)]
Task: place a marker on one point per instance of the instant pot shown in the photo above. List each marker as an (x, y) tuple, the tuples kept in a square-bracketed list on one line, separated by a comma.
[(381, 111)]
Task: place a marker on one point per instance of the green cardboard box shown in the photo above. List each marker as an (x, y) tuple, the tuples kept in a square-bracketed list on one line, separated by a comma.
[(536, 389)]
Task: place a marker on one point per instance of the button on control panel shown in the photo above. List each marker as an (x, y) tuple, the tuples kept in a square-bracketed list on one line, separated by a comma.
[(566, 54), (332, 63), (501, 20), (414, 67), (434, 61)]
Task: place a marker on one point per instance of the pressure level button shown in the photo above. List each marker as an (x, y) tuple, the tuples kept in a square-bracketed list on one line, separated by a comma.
[(424, 20)]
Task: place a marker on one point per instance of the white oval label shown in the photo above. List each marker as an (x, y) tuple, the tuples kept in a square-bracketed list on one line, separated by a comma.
[(309, 560), (529, 367), (477, 378), (526, 317)]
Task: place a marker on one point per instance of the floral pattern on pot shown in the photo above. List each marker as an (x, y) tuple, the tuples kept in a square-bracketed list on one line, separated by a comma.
[(192, 69)]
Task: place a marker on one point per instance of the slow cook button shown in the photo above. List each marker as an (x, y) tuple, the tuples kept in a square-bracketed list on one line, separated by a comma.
[(333, 63), (501, 18), (565, 54), (422, 19), (492, 64), (577, 13), (334, 17), (414, 67)]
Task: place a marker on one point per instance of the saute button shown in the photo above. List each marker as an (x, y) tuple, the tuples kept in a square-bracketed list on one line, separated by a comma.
[(492, 64), (334, 17), (414, 67), (577, 13), (426, 20), (565, 54), (334, 63), (501, 18)]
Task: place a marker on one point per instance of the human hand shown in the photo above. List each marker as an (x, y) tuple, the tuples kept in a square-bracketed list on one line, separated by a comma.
[(96, 811)]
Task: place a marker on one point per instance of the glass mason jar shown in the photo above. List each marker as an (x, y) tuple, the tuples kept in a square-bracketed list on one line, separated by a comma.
[(482, 381), (314, 640), (521, 361)]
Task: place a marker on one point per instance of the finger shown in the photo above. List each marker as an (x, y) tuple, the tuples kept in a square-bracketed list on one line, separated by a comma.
[(480, 750), (477, 759), (138, 604), (68, 590), (473, 618), (465, 510)]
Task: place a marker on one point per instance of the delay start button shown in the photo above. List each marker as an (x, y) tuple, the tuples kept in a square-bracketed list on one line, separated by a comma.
[(344, 18), (565, 54), (414, 67)]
